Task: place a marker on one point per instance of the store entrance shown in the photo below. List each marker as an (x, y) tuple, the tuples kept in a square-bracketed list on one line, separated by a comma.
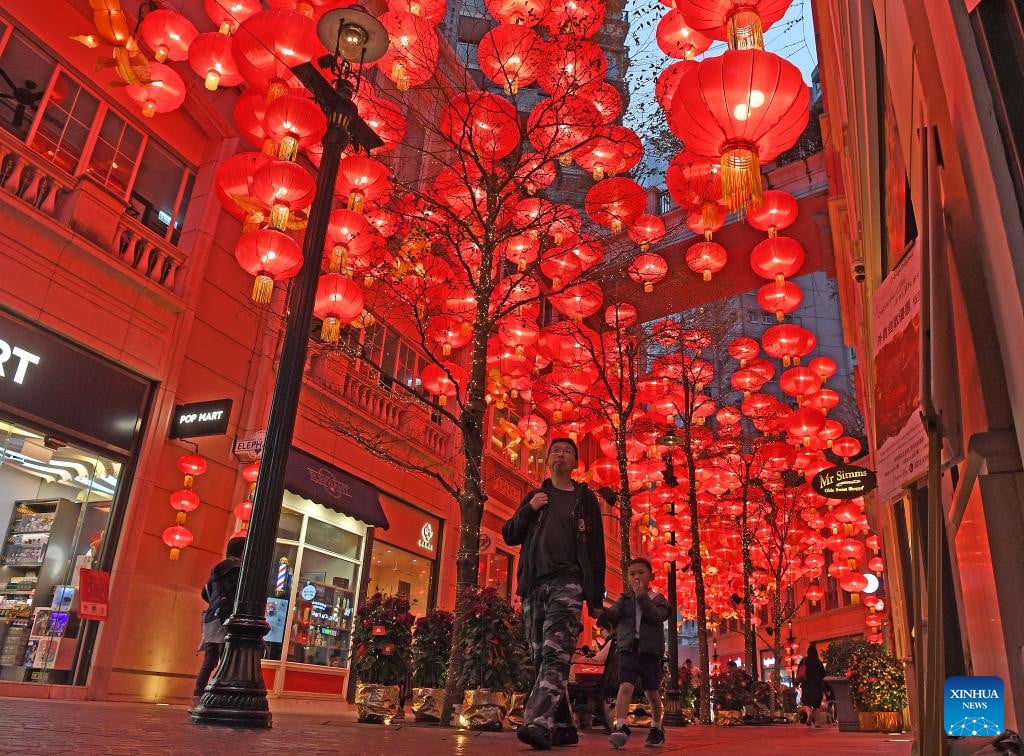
[(55, 504)]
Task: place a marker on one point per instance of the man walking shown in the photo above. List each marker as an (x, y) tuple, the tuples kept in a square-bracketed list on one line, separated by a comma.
[(561, 566)]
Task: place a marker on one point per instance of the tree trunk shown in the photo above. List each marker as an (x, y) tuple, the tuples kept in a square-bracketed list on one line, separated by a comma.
[(625, 502), (696, 564), (777, 635), (749, 639)]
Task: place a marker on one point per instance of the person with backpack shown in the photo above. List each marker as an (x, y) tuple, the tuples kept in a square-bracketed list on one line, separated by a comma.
[(219, 594), (810, 676)]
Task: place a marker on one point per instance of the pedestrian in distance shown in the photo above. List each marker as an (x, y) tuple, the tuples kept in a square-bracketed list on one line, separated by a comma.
[(219, 594), (810, 676), (639, 617), (561, 567)]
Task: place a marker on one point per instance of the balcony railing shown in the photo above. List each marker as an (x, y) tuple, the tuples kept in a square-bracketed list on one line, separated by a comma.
[(39, 185)]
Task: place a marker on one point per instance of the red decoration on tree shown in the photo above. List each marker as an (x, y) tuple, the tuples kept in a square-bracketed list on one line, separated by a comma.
[(615, 202), (677, 39), (509, 55), (648, 269), (339, 300), (706, 258), (168, 34), (647, 230)]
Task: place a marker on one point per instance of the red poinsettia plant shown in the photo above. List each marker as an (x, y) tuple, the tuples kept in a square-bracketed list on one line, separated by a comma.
[(382, 640)]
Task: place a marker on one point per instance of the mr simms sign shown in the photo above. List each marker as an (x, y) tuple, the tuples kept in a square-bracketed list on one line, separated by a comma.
[(844, 482)]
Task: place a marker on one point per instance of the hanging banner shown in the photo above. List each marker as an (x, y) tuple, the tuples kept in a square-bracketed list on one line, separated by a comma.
[(901, 444), (94, 588)]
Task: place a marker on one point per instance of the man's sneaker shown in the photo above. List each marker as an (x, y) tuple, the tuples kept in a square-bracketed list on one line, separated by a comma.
[(535, 737), (564, 736), (619, 736), (655, 737)]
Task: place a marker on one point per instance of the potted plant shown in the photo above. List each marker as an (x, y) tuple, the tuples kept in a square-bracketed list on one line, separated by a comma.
[(431, 648), (489, 660), (879, 692), (789, 707), (731, 690), (838, 659), (381, 645), (525, 674)]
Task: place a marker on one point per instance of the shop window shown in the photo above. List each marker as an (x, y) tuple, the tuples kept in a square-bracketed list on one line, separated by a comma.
[(67, 119), (161, 191), (55, 509), (312, 587), (396, 572), (496, 572), (25, 72), (113, 158)]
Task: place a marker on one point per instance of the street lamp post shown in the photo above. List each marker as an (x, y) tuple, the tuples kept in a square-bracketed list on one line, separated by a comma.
[(673, 699), (237, 695)]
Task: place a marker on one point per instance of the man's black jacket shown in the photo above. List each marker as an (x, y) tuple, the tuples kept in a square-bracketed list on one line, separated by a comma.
[(524, 525)]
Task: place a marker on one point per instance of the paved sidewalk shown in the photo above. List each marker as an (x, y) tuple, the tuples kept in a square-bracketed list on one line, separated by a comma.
[(86, 728)]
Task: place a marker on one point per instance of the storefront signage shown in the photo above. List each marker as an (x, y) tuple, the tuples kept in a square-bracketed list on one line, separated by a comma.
[(426, 537), (48, 379), (844, 482), (250, 448), (488, 541), (94, 586), (308, 592), (503, 488), (201, 419), (328, 486)]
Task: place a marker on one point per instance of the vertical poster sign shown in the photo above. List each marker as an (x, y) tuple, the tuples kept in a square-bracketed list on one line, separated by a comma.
[(900, 440), (94, 587)]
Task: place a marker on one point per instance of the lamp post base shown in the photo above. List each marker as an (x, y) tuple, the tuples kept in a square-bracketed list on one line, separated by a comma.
[(237, 696), (673, 710)]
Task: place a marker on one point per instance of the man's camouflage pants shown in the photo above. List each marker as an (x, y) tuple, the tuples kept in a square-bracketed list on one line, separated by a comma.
[(552, 616)]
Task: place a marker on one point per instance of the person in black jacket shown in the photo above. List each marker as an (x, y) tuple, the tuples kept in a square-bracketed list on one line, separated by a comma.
[(219, 594), (561, 566), (810, 676), (638, 618)]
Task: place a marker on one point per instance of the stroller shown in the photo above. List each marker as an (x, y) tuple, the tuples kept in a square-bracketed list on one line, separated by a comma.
[(592, 682)]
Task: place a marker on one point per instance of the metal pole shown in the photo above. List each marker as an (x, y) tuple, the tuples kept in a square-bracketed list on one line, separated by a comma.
[(673, 703), (237, 695)]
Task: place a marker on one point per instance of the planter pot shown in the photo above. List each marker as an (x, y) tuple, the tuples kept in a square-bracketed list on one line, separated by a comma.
[(881, 721), (688, 713), (639, 715), (427, 704), (483, 709), (791, 717), (376, 704), (516, 709), (846, 715), (728, 717)]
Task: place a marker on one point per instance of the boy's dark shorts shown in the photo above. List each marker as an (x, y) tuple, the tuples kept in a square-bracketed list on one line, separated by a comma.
[(648, 667)]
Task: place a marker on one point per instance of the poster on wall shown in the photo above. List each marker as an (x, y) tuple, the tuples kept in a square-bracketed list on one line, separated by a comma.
[(901, 443)]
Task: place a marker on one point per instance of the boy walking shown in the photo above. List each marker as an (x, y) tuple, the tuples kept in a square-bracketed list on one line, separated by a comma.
[(638, 617)]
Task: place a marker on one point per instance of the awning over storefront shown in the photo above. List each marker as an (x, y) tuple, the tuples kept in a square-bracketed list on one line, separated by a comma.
[(318, 481)]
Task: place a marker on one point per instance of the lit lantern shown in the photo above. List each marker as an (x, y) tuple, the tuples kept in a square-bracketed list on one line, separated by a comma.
[(339, 300), (669, 81), (743, 108), (177, 537), (211, 56), (349, 239), (534, 173), (228, 14), (804, 423), (876, 564), (295, 123), (569, 64), (510, 57), (234, 181), (744, 348), (284, 187), (443, 381), (272, 42), (799, 382), (250, 113), (780, 300), (483, 124), (741, 24), (647, 230), (648, 269), (412, 51), (184, 500), (695, 183), (168, 34), (269, 256), (853, 582), (823, 366), (449, 332), (517, 12), (873, 542), (776, 258), (615, 202), (361, 180), (706, 258), (579, 301), (164, 92), (606, 99), (621, 315), (561, 266), (788, 342), (777, 211), (600, 156), (191, 466), (629, 144), (557, 126), (677, 39), (522, 250), (579, 18)]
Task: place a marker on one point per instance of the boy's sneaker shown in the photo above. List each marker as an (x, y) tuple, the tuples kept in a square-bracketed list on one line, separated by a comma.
[(655, 737), (536, 737), (619, 736), (564, 736)]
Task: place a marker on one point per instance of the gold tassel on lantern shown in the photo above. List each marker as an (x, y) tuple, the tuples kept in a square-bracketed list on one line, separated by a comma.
[(262, 288), (744, 30), (330, 330), (741, 176), (338, 255), (399, 76), (710, 215), (175, 553)]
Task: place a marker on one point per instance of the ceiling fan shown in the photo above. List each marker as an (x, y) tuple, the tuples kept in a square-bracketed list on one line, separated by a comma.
[(26, 96)]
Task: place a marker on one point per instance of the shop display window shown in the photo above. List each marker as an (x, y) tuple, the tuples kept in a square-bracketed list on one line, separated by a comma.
[(55, 502), (496, 572), (396, 572), (312, 588)]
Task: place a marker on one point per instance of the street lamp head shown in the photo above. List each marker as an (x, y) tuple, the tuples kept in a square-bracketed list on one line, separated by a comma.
[(353, 34), (670, 438)]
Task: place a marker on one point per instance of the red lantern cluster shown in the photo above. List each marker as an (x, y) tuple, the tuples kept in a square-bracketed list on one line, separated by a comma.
[(183, 501)]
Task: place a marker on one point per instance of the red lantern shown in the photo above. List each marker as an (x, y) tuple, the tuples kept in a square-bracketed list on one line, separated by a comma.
[(776, 211), (579, 18), (295, 123), (560, 265), (191, 465), (164, 92), (272, 42), (846, 447), (853, 582), (211, 57), (781, 300), (823, 366), (168, 34), (361, 180), (412, 51), (615, 202), (510, 56), (482, 124), (339, 300), (384, 118), (579, 301), (648, 269), (228, 14), (876, 564), (743, 108), (234, 179), (873, 542), (285, 187), (349, 238), (599, 156), (606, 99), (788, 342), (517, 12), (251, 472), (443, 380), (184, 500), (706, 258), (804, 423), (741, 24), (269, 256), (522, 250), (243, 511), (177, 537), (557, 126), (647, 230), (777, 257), (570, 63), (669, 81), (744, 348), (695, 184), (249, 113), (621, 315), (799, 382), (677, 39)]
